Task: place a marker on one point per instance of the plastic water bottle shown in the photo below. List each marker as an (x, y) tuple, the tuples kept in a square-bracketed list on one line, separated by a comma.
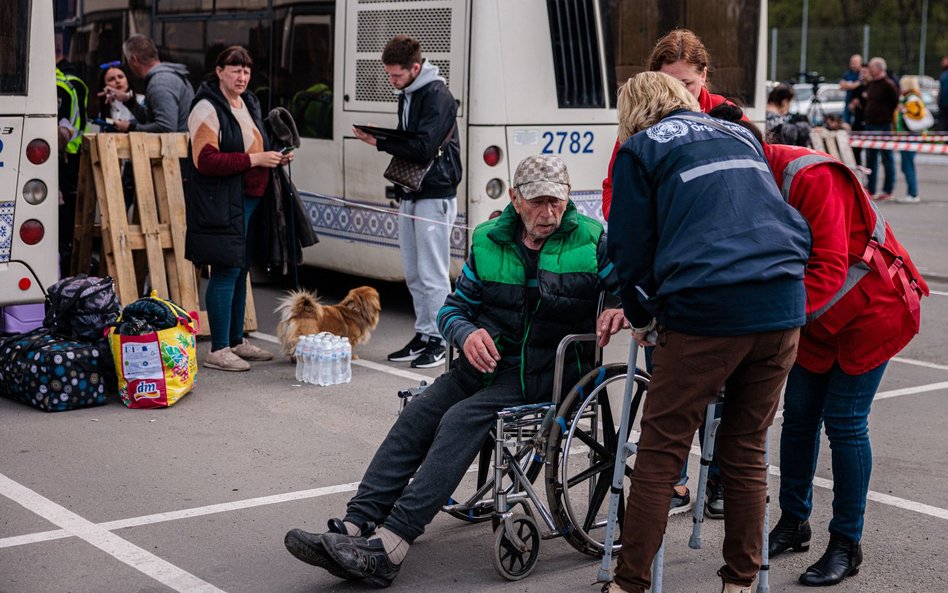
[(299, 359), (308, 346), (346, 361), (337, 361), (325, 362)]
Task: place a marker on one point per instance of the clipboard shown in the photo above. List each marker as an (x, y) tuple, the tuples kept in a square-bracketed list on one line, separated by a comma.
[(385, 132)]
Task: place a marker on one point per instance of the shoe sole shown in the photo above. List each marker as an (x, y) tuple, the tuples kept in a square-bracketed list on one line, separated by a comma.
[(219, 367), (684, 508), (429, 365), (712, 515), (407, 358), (303, 550), (255, 358)]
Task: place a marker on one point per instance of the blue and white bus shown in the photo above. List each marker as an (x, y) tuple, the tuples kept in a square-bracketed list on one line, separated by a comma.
[(531, 76)]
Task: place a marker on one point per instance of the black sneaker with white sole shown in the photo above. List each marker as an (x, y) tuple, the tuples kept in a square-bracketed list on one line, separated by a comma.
[(411, 351), (432, 356)]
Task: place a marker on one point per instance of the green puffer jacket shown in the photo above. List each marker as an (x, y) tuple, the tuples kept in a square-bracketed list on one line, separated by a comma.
[(491, 293)]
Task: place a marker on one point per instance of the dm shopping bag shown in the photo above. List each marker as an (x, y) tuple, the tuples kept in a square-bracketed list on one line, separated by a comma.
[(153, 344)]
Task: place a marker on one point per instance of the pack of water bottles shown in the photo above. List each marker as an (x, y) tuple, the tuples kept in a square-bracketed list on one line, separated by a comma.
[(323, 359)]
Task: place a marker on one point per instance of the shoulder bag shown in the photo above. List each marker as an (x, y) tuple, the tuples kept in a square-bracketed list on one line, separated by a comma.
[(410, 174)]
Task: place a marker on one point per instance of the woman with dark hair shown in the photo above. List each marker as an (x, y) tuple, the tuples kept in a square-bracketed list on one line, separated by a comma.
[(113, 75), (231, 155)]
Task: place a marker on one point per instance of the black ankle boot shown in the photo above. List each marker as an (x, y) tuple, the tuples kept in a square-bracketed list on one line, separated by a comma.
[(789, 533), (841, 559)]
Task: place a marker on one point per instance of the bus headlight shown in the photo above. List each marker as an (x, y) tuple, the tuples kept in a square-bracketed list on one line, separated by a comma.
[(495, 188), (34, 192), (32, 231)]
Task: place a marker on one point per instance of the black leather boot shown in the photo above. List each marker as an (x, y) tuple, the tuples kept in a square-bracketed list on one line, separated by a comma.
[(841, 559), (789, 533)]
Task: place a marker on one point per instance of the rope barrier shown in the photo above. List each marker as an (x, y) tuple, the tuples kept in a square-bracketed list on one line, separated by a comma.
[(898, 137), (895, 145), (351, 204)]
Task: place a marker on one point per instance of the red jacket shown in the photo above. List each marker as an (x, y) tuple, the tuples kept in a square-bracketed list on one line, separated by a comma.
[(706, 100), (872, 322)]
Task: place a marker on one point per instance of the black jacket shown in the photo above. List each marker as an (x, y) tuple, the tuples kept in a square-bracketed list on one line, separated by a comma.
[(215, 205), (432, 115)]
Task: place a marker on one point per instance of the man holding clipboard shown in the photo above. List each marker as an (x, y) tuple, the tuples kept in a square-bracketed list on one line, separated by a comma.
[(427, 130)]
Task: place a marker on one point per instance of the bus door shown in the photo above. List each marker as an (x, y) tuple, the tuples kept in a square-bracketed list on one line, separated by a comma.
[(28, 165), (367, 216)]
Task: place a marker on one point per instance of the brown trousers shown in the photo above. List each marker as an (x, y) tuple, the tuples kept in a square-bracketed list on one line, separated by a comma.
[(688, 373)]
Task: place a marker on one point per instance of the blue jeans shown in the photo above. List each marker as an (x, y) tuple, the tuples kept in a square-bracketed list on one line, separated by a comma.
[(908, 169), (424, 238), (888, 162), (226, 296), (842, 403)]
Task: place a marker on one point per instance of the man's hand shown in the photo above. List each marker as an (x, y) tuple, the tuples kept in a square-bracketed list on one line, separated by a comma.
[(367, 138), (609, 323), (113, 94), (481, 352), (120, 125), (645, 336)]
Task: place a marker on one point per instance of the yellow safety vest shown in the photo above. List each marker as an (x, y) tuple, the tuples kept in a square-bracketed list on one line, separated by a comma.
[(75, 141)]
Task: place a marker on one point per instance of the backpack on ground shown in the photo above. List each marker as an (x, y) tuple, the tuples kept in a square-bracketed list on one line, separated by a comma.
[(153, 345), (81, 307)]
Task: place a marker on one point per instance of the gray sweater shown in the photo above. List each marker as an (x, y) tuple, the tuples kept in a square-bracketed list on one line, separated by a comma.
[(168, 96)]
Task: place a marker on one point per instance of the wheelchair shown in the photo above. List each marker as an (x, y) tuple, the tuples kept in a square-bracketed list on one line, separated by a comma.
[(572, 440)]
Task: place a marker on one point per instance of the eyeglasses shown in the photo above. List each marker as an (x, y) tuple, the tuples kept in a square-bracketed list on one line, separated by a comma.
[(108, 65)]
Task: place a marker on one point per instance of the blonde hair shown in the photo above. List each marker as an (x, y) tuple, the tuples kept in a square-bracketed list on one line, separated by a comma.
[(909, 83), (648, 97)]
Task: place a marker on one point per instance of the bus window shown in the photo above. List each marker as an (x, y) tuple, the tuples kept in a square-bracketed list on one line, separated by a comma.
[(14, 14), (309, 63), (728, 28)]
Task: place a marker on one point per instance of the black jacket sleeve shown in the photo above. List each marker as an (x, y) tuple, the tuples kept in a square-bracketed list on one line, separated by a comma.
[(437, 112)]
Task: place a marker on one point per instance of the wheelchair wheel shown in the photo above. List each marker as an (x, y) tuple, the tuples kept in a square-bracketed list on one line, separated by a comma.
[(479, 505), (516, 551), (581, 454)]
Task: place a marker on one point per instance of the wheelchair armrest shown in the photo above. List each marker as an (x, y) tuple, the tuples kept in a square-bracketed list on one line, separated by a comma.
[(406, 395)]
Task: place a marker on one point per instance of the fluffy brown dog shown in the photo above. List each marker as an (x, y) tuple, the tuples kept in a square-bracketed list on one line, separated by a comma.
[(301, 313)]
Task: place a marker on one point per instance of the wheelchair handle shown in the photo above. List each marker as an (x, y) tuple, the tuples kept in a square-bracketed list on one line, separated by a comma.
[(561, 359)]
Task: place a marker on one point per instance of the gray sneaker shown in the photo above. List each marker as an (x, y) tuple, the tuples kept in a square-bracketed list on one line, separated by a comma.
[(225, 360), (308, 547), (714, 506), (361, 558)]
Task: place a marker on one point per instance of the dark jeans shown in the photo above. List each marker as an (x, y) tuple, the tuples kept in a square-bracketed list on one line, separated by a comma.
[(842, 403), (435, 439), (888, 163), (689, 373), (226, 295)]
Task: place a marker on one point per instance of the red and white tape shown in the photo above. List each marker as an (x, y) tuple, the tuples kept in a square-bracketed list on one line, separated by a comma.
[(890, 137), (899, 145)]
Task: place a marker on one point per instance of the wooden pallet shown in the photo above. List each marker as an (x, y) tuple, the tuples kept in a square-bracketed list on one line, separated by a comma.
[(148, 249)]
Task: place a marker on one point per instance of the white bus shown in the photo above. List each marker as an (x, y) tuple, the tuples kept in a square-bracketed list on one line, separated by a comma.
[(28, 173), (530, 76)]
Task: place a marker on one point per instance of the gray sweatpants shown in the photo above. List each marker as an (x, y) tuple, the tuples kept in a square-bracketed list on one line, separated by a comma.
[(426, 256), (435, 439)]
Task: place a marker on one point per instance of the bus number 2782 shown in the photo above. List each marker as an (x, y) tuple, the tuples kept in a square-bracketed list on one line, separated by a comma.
[(574, 142)]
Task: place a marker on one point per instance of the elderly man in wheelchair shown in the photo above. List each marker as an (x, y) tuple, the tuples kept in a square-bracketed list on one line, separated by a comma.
[(534, 275)]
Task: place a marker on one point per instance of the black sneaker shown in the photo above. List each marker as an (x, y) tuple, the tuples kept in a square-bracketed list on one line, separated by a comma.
[(361, 558), (432, 356), (714, 505), (308, 547), (680, 503), (411, 351)]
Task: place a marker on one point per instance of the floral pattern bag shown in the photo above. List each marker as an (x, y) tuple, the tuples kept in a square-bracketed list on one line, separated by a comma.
[(156, 362)]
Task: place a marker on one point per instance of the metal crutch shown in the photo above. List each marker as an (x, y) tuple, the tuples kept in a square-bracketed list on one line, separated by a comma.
[(623, 450), (710, 429)]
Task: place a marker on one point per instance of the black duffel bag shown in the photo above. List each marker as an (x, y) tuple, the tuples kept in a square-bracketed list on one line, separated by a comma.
[(81, 307)]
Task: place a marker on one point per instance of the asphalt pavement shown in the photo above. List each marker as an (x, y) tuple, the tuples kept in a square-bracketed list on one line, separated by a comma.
[(197, 498)]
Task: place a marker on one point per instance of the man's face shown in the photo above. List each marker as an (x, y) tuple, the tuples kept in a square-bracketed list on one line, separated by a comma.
[(875, 71), (541, 216), (401, 77), (855, 62)]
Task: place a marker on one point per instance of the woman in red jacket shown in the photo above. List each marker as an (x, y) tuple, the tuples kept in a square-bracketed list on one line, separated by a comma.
[(844, 348), (681, 55)]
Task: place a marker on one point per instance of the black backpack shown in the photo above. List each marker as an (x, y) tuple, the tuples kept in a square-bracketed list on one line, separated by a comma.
[(81, 307)]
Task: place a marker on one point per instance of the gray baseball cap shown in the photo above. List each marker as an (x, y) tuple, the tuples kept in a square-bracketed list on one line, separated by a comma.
[(542, 175)]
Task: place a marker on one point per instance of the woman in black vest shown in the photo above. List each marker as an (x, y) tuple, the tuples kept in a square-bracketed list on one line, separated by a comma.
[(231, 156)]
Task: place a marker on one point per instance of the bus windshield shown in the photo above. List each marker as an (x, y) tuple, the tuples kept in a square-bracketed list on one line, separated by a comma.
[(15, 15)]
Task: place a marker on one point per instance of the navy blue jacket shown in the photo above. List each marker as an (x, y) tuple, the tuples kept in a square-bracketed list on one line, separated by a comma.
[(700, 236)]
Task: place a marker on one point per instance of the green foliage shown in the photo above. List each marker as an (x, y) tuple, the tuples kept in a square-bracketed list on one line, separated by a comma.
[(835, 31)]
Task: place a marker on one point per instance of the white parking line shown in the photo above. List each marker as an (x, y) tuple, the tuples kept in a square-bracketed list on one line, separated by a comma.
[(161, 570)]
